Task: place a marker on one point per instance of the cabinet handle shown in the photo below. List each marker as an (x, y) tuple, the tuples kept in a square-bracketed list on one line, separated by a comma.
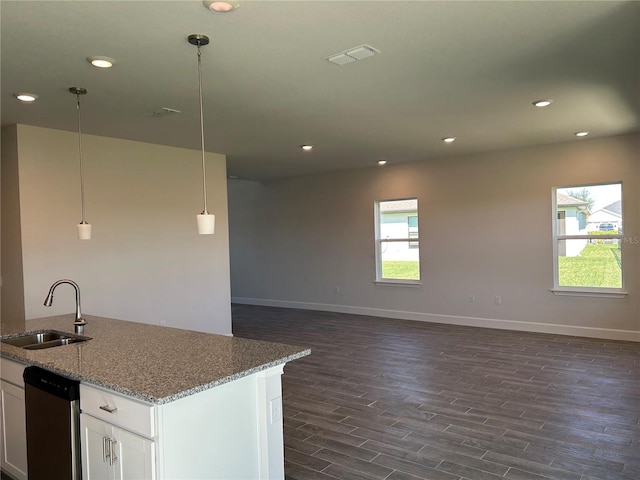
[(107, 408), (112, 451), (106, 450)]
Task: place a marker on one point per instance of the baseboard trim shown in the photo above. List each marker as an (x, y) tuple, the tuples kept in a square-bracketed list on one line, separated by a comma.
[(590, 332)]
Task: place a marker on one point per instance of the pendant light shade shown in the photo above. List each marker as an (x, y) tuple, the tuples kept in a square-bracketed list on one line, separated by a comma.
[(205, 220), (83, 228), (84, 231), (206, 223)]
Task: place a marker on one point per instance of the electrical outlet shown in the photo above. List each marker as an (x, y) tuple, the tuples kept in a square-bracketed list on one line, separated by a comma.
[(162, 323), (276, 410), (338, 289), (472, 298), (497, 300)]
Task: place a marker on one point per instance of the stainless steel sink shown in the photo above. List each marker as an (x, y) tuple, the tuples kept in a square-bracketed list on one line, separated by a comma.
[(43, 339)]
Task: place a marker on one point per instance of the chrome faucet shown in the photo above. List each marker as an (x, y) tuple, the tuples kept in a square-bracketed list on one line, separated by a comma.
[(79, 322)]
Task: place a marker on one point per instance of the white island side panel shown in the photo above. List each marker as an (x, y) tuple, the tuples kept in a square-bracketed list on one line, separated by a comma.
[(222, 432)]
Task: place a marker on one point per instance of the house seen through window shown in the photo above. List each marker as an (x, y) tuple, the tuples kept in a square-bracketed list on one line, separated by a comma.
[(588, 237), (397, 240)]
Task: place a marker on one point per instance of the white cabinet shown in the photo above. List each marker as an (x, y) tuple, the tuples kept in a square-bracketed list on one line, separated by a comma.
[(117, 436), (13, 434), (95, 450), (112, 453), (229, 432), (136, 453)]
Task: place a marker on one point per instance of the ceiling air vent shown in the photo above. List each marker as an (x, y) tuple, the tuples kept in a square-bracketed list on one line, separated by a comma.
[(164, 111), (353, 54)]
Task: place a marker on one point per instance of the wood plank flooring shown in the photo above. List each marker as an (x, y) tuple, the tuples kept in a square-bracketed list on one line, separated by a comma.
[(400, 400)]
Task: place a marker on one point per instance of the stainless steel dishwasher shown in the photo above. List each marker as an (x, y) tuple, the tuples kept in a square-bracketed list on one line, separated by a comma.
[(53, 425)]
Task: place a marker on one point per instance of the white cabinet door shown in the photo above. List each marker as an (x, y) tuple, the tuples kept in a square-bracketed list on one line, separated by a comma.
[(13, 431), (93, 444), (135, 456), (112, 453)]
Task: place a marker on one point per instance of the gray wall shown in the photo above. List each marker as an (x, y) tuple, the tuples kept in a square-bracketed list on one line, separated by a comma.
[(485, 230), (12, 308), (145, 261)]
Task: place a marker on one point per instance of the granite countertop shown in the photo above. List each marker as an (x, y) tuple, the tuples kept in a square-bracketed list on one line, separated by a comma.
[(148, 362)]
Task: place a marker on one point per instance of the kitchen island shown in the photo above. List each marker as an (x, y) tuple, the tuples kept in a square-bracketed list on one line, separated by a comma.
[(197, 405)]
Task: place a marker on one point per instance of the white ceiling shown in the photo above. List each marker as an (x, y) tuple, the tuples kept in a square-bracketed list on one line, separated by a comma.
[(468, 69)]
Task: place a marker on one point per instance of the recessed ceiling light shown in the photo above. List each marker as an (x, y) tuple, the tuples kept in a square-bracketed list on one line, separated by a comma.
[(542, 103), (581, 134), (101, 62), (26, 97), (449, 139), (221, 6), (306, 148), (382, 162)]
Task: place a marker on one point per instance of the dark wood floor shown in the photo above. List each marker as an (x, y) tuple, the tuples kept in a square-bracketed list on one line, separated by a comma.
[(393, 399)]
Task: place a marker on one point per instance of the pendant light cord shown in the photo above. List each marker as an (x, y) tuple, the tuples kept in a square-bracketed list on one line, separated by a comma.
[(204, 180), (80, 152)]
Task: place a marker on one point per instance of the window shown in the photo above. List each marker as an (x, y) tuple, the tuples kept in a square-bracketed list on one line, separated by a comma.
[(412, 223), (587, 244), (397, 241)]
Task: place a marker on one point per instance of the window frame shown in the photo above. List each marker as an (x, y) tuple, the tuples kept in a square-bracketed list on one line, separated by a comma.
[(609, 292), (415, 241)]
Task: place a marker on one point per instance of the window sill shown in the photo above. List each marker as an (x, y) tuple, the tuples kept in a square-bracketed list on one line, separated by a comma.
[(589, 293), (399, 283)]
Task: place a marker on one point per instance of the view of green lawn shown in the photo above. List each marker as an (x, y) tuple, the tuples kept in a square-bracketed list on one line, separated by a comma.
[(597, 266), (399, 269)]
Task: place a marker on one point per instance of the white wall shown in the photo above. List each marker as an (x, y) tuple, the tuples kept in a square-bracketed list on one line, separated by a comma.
[(485, 230), (145, 261), (602, 216)]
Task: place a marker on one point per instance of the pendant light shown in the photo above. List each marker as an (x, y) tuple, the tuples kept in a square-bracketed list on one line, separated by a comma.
[(206, 221), (84, 228)]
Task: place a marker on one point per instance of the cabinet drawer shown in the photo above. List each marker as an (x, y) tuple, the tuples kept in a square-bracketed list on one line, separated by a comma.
[(12, 371), (125, 412)]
